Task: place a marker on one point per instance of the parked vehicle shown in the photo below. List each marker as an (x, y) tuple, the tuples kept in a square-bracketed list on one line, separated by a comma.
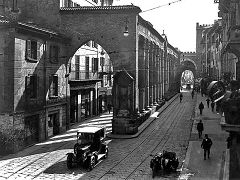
[(166, 161), (90, 147)]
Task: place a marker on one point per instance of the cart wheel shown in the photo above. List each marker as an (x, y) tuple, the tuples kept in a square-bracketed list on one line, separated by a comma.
[(106, 153), (91, 163), (153, 171), (70, 161)]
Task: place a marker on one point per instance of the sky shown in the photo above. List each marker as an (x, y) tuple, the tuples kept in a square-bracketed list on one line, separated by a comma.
[(178, 20)]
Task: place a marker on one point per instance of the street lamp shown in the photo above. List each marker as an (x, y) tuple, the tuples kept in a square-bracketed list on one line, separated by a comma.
[(125, 33)]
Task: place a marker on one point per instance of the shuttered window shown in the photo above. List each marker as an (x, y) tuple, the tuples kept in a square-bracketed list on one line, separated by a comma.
[(94, 64), (87, 67), (77, 65), (33, 50), (53, 89), (31, 86), (54, 54)]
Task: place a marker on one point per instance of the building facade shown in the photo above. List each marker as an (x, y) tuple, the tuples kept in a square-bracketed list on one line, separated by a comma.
[(90, 82), (229, 12), (34, 103), (40, 72)]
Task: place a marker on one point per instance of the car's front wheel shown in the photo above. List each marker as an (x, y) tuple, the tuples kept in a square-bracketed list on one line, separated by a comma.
[(70, 161), (91, 162)]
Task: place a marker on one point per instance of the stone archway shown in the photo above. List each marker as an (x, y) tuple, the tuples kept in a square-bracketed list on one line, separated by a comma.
[(187, 64), (105, 26)]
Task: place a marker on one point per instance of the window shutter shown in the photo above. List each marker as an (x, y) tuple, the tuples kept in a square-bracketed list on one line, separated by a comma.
[(95, 64), (93, 67), (28, 49), (38, 51), (27, 84), (50, 85), (50, 53), (58, 84), (38, 90)]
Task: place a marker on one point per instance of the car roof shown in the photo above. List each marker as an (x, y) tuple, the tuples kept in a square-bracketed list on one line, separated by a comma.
[(90, 129)]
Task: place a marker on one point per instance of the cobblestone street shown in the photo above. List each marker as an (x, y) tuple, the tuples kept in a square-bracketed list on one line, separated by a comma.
[(128, 158)]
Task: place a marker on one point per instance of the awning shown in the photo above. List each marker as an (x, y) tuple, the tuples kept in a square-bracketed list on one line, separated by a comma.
[(215, 88), (224, 97), (218, 99)]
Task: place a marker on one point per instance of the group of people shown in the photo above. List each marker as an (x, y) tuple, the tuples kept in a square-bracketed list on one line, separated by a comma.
[(201, 106), (206, 142)]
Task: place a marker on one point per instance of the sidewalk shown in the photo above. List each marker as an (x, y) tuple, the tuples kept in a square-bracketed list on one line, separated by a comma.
[(195, 167)]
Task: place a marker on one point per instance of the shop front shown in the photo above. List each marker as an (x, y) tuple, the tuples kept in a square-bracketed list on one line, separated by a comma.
[(83, 100)]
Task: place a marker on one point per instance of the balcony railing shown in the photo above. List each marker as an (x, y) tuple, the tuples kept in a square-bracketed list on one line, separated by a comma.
[(77, 75)]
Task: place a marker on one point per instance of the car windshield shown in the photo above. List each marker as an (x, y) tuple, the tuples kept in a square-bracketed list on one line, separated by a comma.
[(85, 138)]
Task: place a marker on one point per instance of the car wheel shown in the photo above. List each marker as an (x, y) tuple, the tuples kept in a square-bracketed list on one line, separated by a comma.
[(70, 161), (106, 153), (153, 171), (91, 163)]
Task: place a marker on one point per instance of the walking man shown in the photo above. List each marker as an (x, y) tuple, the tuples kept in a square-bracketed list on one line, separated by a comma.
[(192, 94), (200, 128), (212, 106), (181, 96), (109, 106), (201, 107), (206, 146), (208, 101)]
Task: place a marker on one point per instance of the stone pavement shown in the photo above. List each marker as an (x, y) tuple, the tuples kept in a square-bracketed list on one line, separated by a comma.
[(195, 167), (128, 158)]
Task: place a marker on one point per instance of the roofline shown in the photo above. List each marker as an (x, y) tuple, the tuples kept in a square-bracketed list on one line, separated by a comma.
[(101, 9), (155, 32)]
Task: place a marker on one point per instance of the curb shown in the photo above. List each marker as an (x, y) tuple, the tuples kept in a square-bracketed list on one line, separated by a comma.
[(144, 125), (226, 165)]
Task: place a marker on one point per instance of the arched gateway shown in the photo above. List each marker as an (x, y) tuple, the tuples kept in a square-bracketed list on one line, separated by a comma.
[(145, 65), (141, 55)]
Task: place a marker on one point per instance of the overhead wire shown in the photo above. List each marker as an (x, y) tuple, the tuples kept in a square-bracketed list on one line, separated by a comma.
[(167, 4)]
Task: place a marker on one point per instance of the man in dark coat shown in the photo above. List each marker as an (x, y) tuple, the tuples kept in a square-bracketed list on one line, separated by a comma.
[(212, 105), (200, 128), (201, 107), (180, 96), (208, 101), (192, 94), (206, 146)]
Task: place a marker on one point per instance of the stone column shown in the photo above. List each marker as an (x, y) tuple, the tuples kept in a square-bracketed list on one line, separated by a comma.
[(158, 74), (146, 69), (151, 74), (154, 74), (141, 70)]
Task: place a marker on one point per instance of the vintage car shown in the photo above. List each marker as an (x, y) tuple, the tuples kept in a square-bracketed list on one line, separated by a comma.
[(166, 161), (90, 147)]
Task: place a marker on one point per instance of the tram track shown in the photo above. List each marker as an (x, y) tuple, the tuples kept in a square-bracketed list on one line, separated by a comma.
[(162, 142), (31, 162), (146, 139)]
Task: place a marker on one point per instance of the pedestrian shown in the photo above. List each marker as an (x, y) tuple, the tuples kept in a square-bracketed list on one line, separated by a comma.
[(212, 105), (206, 146), (200, 128), (192, 94), (208, 101), (202, 92), (229, 142), (181, 97), (201, 107), (109, 106)]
